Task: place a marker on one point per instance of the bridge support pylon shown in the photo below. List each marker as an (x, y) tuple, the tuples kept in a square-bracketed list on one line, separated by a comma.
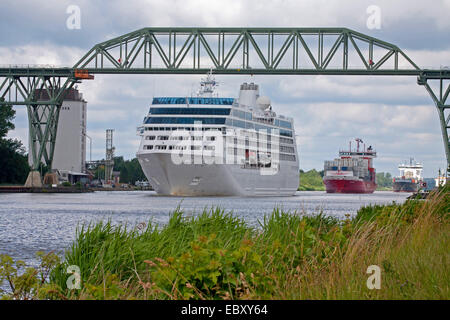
[(442, 102), (43, 124)]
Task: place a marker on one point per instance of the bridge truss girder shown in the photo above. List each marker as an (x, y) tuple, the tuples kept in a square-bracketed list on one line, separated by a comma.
[(255, 50)]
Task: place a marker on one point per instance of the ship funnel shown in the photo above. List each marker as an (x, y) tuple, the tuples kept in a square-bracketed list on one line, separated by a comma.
[(248, 94)]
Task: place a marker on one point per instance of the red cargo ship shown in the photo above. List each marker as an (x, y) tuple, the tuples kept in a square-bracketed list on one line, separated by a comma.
[(352, 172)]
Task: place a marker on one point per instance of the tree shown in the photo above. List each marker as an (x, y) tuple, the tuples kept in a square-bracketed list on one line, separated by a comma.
[(7, 114), (130, 170), (99, 172), (14, 166), (311, 180), (384, 180), (138, 174), (124, 174)]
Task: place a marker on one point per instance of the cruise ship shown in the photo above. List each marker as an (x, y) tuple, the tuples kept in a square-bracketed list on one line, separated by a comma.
[(206, 145)]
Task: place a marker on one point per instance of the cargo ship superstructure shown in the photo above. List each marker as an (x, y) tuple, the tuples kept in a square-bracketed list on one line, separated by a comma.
[(410, 178), (352, 172), (208, 145)]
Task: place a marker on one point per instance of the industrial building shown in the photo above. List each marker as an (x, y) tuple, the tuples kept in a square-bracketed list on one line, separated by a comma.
[(70, 147)]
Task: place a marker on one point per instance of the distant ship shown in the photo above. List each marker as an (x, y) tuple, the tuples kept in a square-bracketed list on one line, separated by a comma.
[(352, 172), (441, 180), (228, 146), (410, 178)]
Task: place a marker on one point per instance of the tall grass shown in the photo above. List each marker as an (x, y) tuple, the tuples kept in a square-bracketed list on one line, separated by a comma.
[(216, 255), (102, 248)]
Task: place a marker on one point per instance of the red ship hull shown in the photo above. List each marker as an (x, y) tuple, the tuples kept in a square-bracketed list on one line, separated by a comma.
[(349, 186)]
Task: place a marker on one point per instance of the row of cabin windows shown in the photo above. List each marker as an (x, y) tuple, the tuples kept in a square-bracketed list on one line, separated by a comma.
[(264, 137), (286, 149), (162, 147), (255, 126), (286, 140), (210, 111), (180, 120), (248, 116), (286, 157), (207, 111), (242, 114), (283, 123), (180, 128), (230, 122), (177, 147), (193, 100), (261, 145), (212, 138)]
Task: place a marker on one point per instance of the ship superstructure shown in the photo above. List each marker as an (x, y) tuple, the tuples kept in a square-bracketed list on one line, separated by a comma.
[(410, 177), (352, 172), (210, 145)]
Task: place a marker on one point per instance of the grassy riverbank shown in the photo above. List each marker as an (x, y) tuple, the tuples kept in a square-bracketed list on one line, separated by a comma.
[(290, 256)]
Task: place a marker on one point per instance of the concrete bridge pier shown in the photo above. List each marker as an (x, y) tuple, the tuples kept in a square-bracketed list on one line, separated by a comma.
[(34, 180)]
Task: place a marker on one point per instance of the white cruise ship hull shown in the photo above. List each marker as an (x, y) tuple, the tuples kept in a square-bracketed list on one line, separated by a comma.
[(168, 178)]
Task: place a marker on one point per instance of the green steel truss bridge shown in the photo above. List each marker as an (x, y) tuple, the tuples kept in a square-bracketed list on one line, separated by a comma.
[(268, 51)]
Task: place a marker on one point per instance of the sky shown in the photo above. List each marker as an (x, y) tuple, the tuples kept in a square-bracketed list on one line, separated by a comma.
[(393, 114)]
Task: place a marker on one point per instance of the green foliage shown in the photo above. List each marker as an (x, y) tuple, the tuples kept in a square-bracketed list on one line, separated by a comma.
[(14, 166), (311, 180), (13, 161), (130, 170), (99, 172), (7, 114), (213, 255), (206, 270), (119, 250), (293, 240), (110, 289), (384, 181), (405, 213), (66, 184), (27, 282)]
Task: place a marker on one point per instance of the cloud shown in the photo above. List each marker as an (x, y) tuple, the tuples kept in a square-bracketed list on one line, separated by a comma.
[(44, 54), (403, 22)]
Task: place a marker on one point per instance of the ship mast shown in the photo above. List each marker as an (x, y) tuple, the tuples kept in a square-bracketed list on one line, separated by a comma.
[(207, 85), (358, 140)]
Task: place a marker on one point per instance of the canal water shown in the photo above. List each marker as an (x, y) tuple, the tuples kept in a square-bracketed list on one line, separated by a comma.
[(30, 222)]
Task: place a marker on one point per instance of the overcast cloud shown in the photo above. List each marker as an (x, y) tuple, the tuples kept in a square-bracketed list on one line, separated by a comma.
[(393, 114)]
